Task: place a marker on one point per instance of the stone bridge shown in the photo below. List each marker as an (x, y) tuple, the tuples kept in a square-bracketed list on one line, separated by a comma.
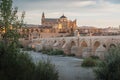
[(80, 46)]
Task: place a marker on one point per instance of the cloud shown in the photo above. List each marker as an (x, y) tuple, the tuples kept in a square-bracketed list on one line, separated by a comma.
[(114, 1), (86, 10), (82, 3)]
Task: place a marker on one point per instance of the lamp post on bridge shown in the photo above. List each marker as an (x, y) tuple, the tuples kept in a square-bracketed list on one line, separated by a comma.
[(78, 35), (90, 47), (78, 41)]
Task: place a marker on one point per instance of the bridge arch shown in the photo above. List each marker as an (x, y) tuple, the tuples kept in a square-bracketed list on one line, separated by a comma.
[(96, 45), (112, 45), (54, 41), (104, 45), (63, 42), (72, 47), (84, 44), (73, 43), (83, 49)]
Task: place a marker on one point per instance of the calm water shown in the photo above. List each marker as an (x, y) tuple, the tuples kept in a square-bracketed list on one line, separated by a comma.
[(68, 67)]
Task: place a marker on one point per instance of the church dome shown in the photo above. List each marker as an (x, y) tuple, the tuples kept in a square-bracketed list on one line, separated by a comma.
[(63, 16)]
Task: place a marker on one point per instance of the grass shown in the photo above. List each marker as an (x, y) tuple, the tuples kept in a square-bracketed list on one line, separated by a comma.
[(52, 52), (91, 61)]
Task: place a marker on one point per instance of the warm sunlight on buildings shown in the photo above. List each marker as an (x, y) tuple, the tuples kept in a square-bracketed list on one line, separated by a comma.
[(59, 26)]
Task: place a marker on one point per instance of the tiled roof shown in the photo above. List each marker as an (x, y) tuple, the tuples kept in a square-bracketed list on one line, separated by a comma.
[(51, 20)]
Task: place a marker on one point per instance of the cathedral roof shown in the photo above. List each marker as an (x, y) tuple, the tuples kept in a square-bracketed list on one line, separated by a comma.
[(51, 20), (63, 16)]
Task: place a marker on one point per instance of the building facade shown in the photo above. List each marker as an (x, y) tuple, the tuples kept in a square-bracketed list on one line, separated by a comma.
[(61, 25), (50, 27)]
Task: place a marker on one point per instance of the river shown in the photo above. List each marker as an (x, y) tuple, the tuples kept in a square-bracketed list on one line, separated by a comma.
[(69, 68)]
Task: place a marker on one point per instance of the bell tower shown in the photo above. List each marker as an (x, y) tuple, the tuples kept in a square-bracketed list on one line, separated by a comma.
[(43, 18)]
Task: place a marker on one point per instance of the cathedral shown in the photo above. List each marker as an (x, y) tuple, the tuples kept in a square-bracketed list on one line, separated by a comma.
[(50, 27), (61, 24)]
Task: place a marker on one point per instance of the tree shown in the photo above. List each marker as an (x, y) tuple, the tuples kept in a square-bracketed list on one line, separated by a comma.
[(9, 22), (14, 64), (109, 68)]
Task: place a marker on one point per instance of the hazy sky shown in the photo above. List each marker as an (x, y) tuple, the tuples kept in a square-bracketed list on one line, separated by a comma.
[(99, 13)]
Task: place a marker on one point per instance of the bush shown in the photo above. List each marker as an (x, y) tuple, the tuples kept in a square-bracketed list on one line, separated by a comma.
[(109, 69), (46, 51), (70, 54), (28, 49), (56, 52), (16, 65), (88, 62), (52, 52), (94, 57), (45, 71)]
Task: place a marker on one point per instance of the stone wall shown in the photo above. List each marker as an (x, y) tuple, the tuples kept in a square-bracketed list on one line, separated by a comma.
[(80, 46)]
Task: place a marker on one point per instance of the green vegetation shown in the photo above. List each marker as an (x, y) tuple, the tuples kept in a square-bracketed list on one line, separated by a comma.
[(56, 52), (14, 64), (52, 52), (46, 51), (70, 54), (28, 49), (45, 71), (109, 68), (91, 61), (94, 57), (88, 62)]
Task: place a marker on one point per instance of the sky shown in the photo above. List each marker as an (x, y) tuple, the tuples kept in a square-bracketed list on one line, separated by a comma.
[(98, 13)]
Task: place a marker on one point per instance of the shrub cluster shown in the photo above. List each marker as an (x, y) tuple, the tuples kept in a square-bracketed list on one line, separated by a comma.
[(52, 52), (28, 49), (16, 65), (45, 71), (46, 51), (56, 52), (94, 57), (90, 61), (109, 68), (70, 54)]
